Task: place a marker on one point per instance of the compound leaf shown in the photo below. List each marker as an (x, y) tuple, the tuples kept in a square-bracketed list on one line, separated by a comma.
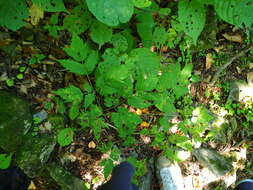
[(12, 14), (70, 94), (111, 12), (192, 16)]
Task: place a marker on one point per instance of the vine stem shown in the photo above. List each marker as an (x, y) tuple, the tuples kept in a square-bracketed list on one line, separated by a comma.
[(223, 67)]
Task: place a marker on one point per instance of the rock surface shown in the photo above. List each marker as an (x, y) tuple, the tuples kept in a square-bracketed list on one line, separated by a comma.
[(15, 121)]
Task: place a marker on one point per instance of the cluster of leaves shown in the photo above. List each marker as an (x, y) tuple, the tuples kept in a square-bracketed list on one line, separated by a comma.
[(124, 74)]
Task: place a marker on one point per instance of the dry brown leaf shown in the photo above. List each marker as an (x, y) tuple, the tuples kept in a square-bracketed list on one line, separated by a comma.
[(233, 38), (145, 139), (218, 49), (92, 144), (209, 61)]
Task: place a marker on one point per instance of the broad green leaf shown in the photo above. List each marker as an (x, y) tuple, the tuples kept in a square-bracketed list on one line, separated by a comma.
[(100, 33), (235, 12), (78, 50), (111, 12), (65, 137), (50, 5), (70, 94), (5, 161), (73, 66), (201, 115), (36, 14), (13, 13), (142, 3), (78, 21), (74, 111), (192, 16)]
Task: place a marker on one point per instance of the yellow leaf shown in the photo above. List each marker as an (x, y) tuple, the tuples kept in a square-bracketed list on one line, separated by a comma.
[(144, 124), (92, 144), (32, 186), (36, 14)]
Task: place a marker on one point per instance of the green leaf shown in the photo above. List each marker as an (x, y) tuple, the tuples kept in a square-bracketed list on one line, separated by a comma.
[(164, 102), (5, 161), (119, 42), (88, 100), (74, 111), (70, 94), (73, 66), (138, 102), (235, 12), (100, 33), (160, 36), (108, 166), (91, 62), (145, 27), (78, 50), (142, 3), (65, 136), (111, 12), (50, 5), (192, 16), (12, 14)]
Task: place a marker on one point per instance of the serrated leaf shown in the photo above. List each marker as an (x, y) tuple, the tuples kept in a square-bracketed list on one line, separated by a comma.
[(235, 12), (65, 137), (111, 12), (100, 33), (5, 161), (12, 14), (192, 16), (160, 36), (70, 94), (73, 66), (78, 50), (50, 5), (108, 166)]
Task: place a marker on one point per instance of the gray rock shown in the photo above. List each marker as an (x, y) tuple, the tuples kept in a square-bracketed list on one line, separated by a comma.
[(215, 162), (15, 121), (65, 179)]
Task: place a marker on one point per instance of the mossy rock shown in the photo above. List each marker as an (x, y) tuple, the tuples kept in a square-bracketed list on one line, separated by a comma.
[(65, 179), (35, 152), (15, 121)]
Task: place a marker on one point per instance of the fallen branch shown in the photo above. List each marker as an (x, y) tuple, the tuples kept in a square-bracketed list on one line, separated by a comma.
[(223, 67)]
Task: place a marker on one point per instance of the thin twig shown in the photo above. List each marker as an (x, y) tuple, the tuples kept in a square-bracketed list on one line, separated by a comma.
[(223, 67)]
